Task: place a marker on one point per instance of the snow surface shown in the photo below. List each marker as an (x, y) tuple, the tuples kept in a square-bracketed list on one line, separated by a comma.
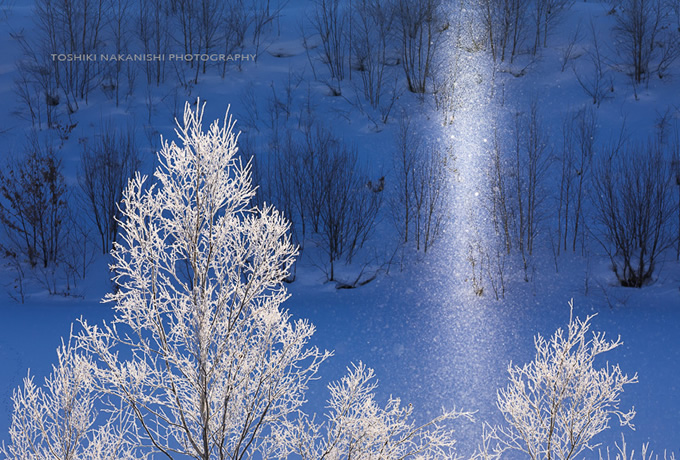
[(429, 339)]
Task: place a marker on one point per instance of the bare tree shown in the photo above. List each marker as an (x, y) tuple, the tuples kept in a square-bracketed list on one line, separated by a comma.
[(500, 203), (668, 50), (79, 251), (236, 23), (318, 143), (153, 31), (315, 179), (404, 161), (106, 165), (579, 134), (584, 138), (568, 174), (505, 23), (633, 196), (645, 37), (33, 204), (187, 17), (674, 8), (675, 163), (348, 208), (211, 25), (70, 28), (118, 28), (495, 263), (421, 25), (283, 182), (547, 14), (597, 83), (36, 90), (530, 163), (476, 257), (445, 88), (373, 23), (263, 16), (637, 25), (568, 52), (330, 20), (493, 255), (418, 205), (429, 178), (207, 24)]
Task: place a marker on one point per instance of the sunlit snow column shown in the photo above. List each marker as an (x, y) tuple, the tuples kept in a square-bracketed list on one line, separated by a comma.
[(471, 321), (470, 134)]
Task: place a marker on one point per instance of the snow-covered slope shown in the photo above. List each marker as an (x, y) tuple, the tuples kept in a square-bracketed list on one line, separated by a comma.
[(431, 340)]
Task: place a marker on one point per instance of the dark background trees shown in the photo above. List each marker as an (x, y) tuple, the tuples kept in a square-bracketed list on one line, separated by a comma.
[(636, 207)]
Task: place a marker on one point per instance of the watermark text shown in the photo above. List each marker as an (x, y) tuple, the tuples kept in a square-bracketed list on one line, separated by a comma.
[(92, 57)]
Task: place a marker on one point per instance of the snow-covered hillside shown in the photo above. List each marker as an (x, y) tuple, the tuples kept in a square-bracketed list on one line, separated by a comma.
[(444, 281)]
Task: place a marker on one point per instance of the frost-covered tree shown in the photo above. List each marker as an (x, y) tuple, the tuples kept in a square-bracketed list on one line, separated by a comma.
[(557, 403), (200, 350), (60, 421), (201, 361), (357, 427), (621, 452)]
